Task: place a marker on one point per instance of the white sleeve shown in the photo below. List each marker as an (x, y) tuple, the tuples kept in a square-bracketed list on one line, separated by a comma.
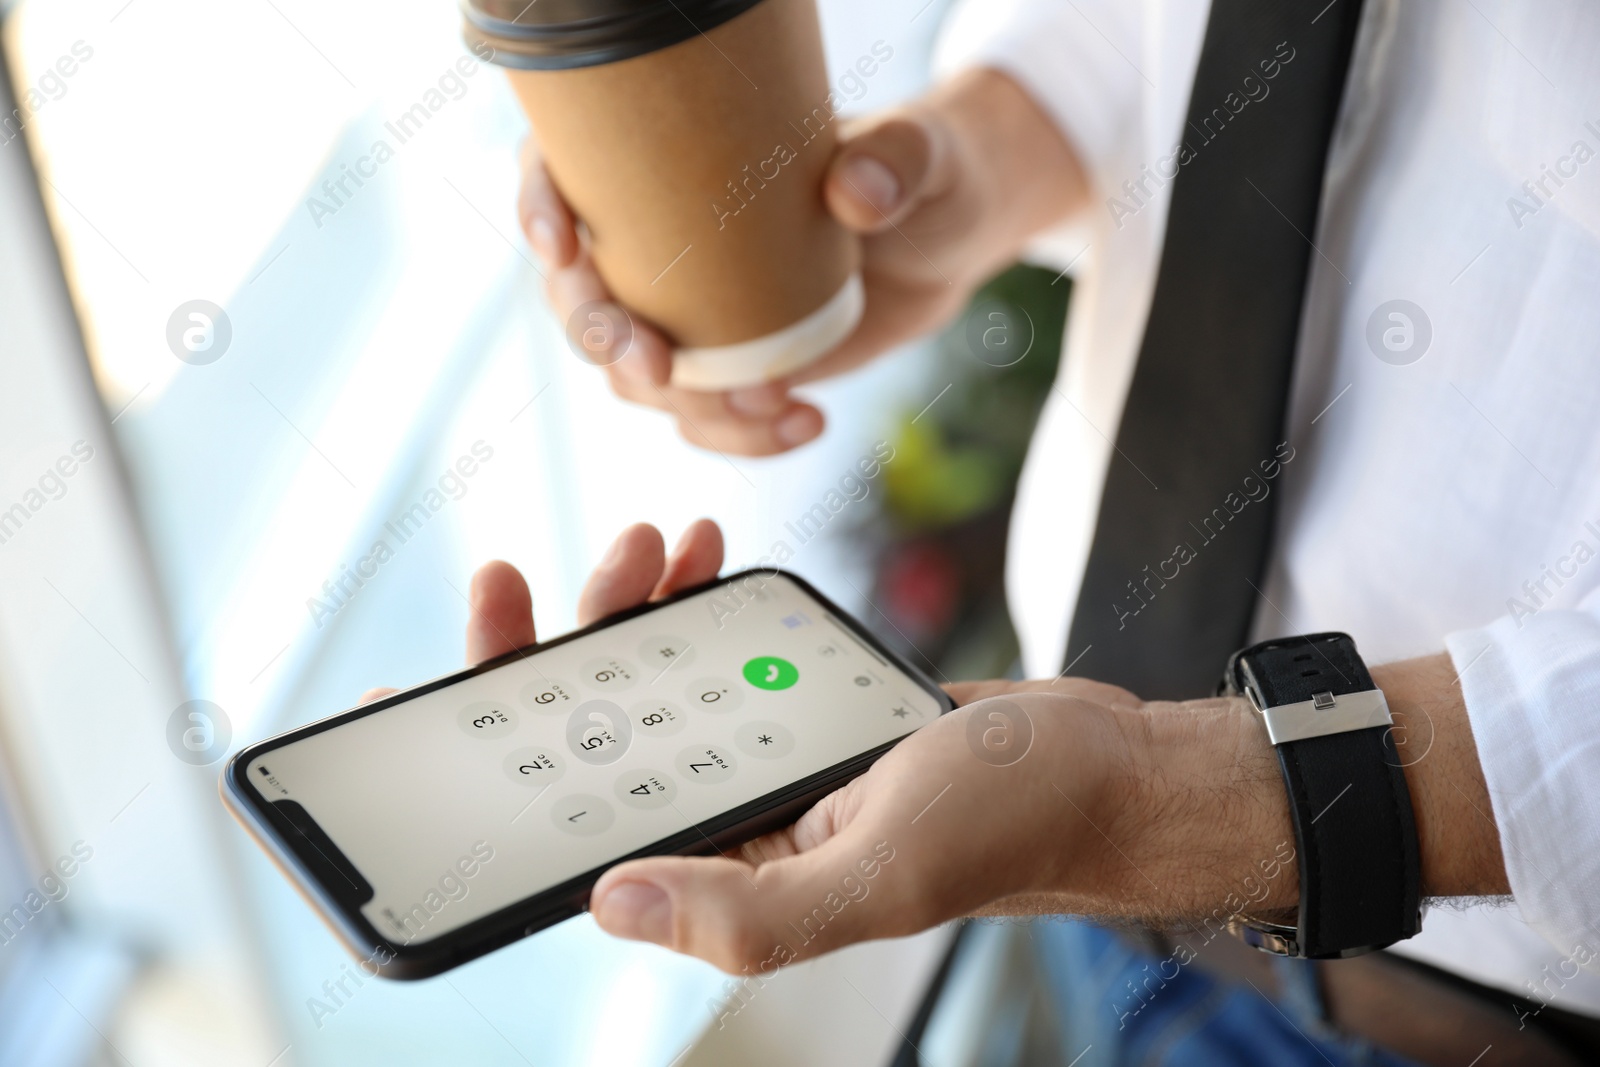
[(1531, 681), (1076, 59)]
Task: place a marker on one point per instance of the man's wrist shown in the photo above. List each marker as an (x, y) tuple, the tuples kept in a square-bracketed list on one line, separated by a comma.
[(1456, 832), (1207, 814), (1027, 175)]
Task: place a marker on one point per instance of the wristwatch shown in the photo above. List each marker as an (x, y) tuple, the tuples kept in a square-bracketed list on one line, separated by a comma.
[(1355, 835)]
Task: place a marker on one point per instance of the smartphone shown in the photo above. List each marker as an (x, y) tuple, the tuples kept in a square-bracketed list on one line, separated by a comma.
[(448, 820)]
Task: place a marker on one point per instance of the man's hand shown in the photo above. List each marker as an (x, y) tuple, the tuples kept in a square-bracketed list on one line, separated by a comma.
[(1167, 814), (943, 192), (1032, 798), (947, 823), (637, 568), (1088, 814)]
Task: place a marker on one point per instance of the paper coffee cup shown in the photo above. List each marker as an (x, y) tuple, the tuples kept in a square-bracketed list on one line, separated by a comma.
[(691, 138)]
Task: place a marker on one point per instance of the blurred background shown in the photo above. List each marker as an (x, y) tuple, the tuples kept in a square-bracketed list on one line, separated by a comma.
[(161, 156)]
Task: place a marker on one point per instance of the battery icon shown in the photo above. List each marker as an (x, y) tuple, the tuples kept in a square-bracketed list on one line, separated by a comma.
[(264, 772)]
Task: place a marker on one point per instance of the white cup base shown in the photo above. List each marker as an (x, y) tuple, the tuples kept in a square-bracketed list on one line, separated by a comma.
[(777, 354)]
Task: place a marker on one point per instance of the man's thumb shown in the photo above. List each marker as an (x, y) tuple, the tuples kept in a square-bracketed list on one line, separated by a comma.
[(747, 919), (881, 174)]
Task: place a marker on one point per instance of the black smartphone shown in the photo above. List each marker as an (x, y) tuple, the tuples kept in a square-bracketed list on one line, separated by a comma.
[(448, 820)]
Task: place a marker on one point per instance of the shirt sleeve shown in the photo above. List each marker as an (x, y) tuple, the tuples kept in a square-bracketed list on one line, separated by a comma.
[(1076, 59), (1531, 681)]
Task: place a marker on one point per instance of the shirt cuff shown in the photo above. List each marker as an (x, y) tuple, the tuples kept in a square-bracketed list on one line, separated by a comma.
[(1531, 681)]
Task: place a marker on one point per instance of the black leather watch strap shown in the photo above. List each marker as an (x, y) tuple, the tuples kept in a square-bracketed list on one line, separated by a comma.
[(1355, 834)]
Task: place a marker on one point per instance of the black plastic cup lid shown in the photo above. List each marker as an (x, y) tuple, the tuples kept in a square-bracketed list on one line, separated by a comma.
[(562, 34)]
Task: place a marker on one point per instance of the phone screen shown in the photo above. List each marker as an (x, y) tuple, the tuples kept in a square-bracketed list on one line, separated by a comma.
[(463, 800)]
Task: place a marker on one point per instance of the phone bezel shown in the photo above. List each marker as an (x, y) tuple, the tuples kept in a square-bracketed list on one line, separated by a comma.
[(562, 901)]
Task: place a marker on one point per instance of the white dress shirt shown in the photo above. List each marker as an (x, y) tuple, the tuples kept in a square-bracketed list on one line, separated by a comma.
[(1438, 499)]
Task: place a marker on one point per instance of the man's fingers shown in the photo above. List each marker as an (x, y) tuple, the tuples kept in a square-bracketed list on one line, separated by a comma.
[(626, 575), (745, 918), (696, 559), (377, 694), (501, 616), (881, 174)]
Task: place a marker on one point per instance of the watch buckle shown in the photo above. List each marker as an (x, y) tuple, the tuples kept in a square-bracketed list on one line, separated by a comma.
[(1271, 938), (1324, 714)]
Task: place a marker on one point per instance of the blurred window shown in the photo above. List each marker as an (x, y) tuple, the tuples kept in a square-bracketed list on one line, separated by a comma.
[(300, 312)]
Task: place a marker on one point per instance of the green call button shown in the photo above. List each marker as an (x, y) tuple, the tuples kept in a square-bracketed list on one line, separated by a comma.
[(770, 672)]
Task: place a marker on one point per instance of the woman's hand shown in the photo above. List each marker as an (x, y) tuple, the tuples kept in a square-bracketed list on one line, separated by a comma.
[(943, 193)]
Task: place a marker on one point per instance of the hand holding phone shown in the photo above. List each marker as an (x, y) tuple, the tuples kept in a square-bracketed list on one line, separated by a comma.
[(437, 824), (1018, 803)]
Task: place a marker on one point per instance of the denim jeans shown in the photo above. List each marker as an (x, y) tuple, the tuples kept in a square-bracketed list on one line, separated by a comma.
[(1118, 1007)]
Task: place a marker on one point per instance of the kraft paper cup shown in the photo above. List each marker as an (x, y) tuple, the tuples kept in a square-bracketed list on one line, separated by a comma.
[(690, 139)]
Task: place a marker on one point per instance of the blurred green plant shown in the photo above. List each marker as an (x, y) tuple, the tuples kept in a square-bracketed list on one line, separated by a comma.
[(962, 455)]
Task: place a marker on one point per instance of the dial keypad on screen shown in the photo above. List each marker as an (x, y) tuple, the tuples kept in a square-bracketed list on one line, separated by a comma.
[(599, 732), (658, 718), (489, 719), (705, 764), (764, 740), (549, 696), (534, 767), (582, 815), (610, 674), (663, 653), (715, 695), (596, 747), (646, 789), (626, 717)]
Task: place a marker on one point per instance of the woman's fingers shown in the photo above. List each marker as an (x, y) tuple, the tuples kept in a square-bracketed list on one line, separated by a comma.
[(501, 617)]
